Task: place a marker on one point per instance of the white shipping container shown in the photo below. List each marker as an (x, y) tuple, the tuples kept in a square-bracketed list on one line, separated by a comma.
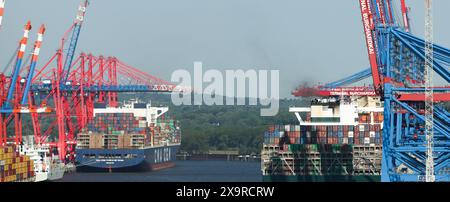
[(286, 128), (2, 163), (281, 133), (367, 140), (297, 128), (350, 134), (361, 127), (345, 140)]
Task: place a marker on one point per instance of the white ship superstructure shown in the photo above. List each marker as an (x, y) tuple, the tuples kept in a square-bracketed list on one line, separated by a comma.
[(338, 111), (47, 167)]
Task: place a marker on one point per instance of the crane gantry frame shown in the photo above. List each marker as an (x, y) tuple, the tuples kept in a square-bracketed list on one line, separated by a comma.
[(416, 132), (63, 92)]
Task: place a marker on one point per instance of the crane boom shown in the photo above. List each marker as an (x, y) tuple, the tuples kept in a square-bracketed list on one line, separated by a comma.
[(405, 15), (74, 39), (35, 55), (15, 75), (366, 13), (350, 79)]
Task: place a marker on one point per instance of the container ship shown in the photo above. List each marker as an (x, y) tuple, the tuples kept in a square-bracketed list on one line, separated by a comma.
[(337, 140), (131, 137), (47, 165), (27, 162)]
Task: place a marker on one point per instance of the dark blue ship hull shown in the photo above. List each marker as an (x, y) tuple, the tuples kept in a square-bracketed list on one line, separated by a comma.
[(150, 158)]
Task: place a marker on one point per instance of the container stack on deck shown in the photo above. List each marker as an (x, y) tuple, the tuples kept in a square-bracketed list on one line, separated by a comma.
[(124, 131), (329, 145), (166, 130), (15, 167), (322, 151), (363, 134), (114, 131)]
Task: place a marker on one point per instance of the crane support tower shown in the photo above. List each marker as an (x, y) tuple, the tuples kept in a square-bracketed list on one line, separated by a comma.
[(429, 99)]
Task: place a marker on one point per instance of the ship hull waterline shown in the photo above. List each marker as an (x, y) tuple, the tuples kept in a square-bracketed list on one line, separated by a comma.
[(126, 160)]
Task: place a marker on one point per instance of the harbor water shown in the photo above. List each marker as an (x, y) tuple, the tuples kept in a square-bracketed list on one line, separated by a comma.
[(184, 171)]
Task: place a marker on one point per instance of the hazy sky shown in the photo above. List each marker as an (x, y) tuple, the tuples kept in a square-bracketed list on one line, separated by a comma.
[(306, 40)]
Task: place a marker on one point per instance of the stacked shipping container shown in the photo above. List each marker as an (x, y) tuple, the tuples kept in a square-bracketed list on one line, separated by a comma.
[(125, 131), (334, 151), (166, 130), (111, 123), (362, 134), (15, 167)]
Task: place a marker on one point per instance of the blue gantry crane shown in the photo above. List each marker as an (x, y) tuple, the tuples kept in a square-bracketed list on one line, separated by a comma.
[(400, 63)]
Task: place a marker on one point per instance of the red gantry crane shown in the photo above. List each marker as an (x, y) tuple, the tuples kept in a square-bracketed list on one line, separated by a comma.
[(60, 96)]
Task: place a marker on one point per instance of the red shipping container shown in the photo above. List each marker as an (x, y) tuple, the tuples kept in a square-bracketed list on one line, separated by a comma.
[(329, 141), (292, 140), (380, 118)]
